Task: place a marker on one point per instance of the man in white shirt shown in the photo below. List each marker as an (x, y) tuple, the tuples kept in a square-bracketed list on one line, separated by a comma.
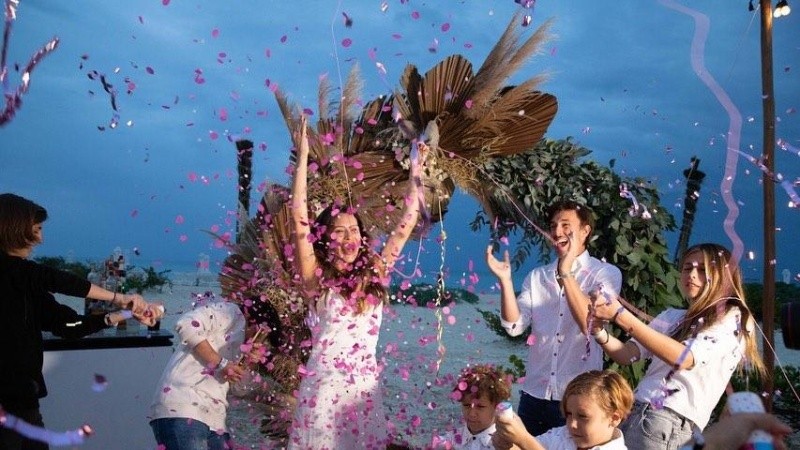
[(554, 302)]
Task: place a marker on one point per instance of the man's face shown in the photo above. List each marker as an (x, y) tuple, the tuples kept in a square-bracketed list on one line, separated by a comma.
[(566, 225)]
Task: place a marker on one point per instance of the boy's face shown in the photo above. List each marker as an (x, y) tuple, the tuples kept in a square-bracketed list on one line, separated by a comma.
[(478, 412), (587, 423)]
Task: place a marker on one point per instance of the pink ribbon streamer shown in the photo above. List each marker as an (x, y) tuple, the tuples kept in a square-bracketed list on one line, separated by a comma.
[(13, 99), (734, 116)]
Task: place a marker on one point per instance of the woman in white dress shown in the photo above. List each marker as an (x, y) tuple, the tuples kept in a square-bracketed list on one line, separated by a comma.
[(339, 403)]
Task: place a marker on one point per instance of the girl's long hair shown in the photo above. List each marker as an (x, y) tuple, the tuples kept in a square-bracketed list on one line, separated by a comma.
[(364, 278), (723, 290)]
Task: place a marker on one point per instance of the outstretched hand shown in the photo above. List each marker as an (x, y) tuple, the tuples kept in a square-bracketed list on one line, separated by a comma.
[(151, 314), (500, 269), (510, 432), (603, 307), (303, 149), (732, 431)]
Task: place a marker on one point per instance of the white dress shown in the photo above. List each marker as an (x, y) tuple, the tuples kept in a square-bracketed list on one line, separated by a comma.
[(340, 403)]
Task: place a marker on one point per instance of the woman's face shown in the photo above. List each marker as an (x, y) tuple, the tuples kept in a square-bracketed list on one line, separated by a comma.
[(37, 233), (345, 239), (693, 276)]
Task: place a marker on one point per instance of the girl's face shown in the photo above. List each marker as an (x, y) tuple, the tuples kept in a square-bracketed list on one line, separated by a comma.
[(478, 412), (693, 276), (345, 239), (587, 423)]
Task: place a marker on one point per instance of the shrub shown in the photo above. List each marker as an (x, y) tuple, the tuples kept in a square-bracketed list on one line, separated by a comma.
[(423, 294), (80, 269), (150, 279)]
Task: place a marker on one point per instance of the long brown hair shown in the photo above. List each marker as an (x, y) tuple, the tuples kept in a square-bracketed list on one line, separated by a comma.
[(723, 290), (363, 278)]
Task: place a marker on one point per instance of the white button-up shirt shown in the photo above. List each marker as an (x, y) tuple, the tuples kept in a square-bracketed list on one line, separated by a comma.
[(559, 439), (557, 348)]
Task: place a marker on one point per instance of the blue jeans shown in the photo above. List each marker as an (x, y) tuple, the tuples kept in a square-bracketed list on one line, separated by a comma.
[(539, 415), (647, 428), (179, 433)]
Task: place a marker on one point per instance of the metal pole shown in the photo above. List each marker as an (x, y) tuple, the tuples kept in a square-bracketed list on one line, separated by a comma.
[(768, 103)]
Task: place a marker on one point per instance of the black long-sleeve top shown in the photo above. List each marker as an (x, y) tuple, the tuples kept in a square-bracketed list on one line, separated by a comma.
[(27, 308)]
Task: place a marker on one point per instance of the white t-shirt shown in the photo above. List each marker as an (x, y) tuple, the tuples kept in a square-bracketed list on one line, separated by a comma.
[(557, 352), (464, 440), (186, 388), (559, 439), (717, 351)]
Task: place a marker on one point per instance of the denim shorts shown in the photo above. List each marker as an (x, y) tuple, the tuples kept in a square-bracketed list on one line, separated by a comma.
[(647, 428), (180, 433)]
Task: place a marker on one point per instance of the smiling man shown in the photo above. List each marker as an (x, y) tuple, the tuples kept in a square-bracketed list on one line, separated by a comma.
[(554, 302)]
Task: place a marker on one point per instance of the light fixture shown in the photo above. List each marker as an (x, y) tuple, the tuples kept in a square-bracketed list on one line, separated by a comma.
[(782, 9)]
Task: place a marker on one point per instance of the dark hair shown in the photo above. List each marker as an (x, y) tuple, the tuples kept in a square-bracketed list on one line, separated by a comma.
[(363, 277), (482, 379), (18, 215), (583, 212)]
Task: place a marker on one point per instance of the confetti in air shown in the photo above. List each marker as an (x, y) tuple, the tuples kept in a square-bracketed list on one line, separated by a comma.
[(13, 98)]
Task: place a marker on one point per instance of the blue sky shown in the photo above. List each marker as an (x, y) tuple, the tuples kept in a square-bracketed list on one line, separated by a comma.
[(621, 71)]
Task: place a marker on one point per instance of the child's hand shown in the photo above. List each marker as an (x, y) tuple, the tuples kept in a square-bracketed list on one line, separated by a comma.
[(510, 431)]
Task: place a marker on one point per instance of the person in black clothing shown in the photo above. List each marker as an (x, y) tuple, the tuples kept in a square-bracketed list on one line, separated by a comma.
[(27, 308)]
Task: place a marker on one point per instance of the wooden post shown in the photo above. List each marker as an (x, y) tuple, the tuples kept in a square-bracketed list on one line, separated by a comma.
[(768, 103)]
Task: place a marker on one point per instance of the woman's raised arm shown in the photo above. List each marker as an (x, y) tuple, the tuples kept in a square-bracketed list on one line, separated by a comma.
[(305, 259), (404, 228)]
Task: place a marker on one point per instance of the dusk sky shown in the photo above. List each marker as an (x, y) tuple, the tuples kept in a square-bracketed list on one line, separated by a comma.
[(198, 74)]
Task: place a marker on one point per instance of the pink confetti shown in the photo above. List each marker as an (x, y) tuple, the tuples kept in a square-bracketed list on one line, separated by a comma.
[(415, 15), (445, 27), (531, 339), (149, 70), (283, 39), (215, 33), (134, 213), (213, 135), (347, 42), (165, 2), (179, 219), (100, 383), (223, 114)]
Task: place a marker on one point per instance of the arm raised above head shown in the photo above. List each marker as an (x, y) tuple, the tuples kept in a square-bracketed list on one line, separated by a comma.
[(305, 259), (413, 202)]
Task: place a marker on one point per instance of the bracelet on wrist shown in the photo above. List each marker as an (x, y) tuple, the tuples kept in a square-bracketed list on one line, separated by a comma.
[(222, 364), (563, 276), (620, 310), (599, 333)]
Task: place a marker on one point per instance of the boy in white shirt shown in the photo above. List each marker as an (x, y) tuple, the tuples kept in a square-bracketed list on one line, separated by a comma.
[(594, 405), (479, 389)]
